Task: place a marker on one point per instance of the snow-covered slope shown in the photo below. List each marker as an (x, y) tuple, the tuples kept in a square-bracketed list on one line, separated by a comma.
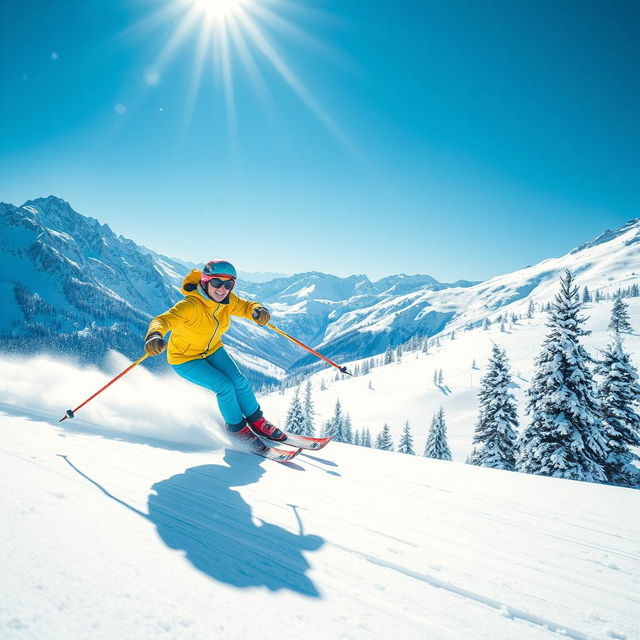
[(115, 535), (405, 390)]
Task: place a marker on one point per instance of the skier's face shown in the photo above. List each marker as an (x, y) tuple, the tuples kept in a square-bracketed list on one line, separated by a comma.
[(217, 294)]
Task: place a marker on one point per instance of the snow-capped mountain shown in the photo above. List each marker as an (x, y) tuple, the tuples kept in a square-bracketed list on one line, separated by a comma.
[(70, 284), (610, 262)]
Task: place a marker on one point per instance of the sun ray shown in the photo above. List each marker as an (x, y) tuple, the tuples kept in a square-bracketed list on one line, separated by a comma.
[(222, 28), (296, 85)]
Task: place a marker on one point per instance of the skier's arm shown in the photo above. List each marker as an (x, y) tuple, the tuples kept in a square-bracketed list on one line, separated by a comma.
[(178, 314), (247, 309)]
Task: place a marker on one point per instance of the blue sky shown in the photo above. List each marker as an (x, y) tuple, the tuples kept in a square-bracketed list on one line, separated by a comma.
[(458, 139)]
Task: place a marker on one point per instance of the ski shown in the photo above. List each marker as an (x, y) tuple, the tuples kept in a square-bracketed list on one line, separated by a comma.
[(306, 442), (301, 442), (273, 453)]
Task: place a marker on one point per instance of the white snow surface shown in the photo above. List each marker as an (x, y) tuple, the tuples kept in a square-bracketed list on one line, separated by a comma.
[(107, 535)]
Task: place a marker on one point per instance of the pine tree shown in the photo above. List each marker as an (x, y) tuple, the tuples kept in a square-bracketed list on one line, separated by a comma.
[(485, 324), (388, 355), (435, 377), (346, 434), (437, 446), (333, 426), (619, 394), (357, 439), (406, 441), (323, 385), (598, 296), (495, 435), (565, 437), (620, 316), (384, 440), (309, 412), (440, 377), (531, 309), (366, 437), (586, 296), (295, 416)]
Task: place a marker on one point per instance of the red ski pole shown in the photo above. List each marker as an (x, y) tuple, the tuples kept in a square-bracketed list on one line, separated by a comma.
[(71, 414), (304, 346)]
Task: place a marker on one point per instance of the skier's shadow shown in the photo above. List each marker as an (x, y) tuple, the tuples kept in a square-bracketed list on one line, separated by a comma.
[(199, 513)]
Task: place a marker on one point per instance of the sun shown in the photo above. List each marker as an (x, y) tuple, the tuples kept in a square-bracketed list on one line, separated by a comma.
[(216, 10)]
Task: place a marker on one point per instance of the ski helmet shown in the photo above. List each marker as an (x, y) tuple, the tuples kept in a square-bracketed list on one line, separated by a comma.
[(216, 269)]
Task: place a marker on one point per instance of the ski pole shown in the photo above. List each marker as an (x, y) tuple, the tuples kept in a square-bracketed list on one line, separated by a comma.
[(71, 414), (304, 346)]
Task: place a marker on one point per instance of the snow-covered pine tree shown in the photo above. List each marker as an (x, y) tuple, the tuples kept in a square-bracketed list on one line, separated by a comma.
[(619, 394), (309, 412), (384, 440), (406, 441), (531, 309), (436, 445), (347, 432), (598, 296), (620, 316), (323, 385), (565, 438), (357, 439), (435, 377), (485, 324), (495, 436), (366, 437), (295, 416), (440, 377), (388, 355), (333, 426), (586, 296)]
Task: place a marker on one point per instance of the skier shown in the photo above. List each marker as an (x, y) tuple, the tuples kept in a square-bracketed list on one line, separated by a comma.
[(196, 353)]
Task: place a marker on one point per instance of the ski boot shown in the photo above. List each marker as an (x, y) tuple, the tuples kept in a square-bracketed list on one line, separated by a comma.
[(265, 429), (248, 439)]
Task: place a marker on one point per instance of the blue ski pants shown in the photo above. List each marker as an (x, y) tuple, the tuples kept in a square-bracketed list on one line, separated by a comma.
[(220, 373)]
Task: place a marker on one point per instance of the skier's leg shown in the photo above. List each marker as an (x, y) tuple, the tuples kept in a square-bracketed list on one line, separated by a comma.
[(246, 398), (249, 406), (203, 373)]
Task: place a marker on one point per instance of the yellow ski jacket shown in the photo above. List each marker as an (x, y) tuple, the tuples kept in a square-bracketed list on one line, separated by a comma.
[(197, 322)]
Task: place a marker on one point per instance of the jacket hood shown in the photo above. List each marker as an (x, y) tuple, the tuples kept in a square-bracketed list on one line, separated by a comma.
[(191, 282)]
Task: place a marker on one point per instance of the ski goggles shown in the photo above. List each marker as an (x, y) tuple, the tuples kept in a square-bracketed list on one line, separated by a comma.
[(216, 283)]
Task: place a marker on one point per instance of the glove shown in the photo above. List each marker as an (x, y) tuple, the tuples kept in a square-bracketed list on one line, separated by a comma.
[(261, 315), (154, 344)]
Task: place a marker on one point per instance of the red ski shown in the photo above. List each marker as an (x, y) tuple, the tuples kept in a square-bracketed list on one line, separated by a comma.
[(271, 453), (305, 442), (279, 455)]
